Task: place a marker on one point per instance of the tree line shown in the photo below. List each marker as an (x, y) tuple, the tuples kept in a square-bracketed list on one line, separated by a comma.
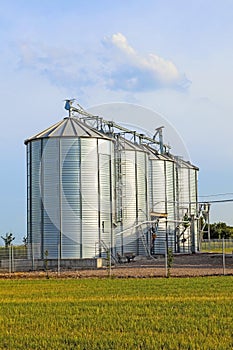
[(219, 230)]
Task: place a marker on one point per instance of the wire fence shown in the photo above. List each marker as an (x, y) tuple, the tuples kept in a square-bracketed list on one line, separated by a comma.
[(216, 245), (216, 258)]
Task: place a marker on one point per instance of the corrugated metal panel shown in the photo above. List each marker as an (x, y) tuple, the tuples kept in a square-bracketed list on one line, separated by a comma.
[(151, 198), (159, 245), (170, 190), (193, 191), (159, 186), (142, 197), (194, 205), (170, 203), (35, 205), (70, 198), (134, 187), (51, 197), (105, 149), (76, 183), (113, 194), (184, 204), (162, 191), (90, 196), (129, 200), (159, 200), (29, 232), (142, 186), (105, 202)]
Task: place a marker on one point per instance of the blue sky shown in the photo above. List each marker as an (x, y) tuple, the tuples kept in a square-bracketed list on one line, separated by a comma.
[(172, 57)]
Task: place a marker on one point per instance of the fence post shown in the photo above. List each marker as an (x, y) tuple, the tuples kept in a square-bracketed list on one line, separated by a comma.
[(223, 256), (12, 259), (110, 260), (58, 261), (32, 256), (9, 260), (165, 246)]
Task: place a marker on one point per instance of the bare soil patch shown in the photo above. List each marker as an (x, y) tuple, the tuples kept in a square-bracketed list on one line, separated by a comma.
[(193, 265)]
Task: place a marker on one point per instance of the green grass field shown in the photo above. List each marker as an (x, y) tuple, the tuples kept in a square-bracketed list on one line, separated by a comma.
[(216, 246), (217, 250), (117, 314)]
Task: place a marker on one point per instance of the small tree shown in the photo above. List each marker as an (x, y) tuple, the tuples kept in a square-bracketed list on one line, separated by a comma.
[(169, 261), (8, 239)]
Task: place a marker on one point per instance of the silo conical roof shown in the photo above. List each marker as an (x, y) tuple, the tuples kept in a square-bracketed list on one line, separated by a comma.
[(128, 145), (68, 127), (154, 154)]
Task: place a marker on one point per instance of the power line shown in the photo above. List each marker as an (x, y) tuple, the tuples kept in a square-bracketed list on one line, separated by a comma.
[(217, 195), (217, 201)]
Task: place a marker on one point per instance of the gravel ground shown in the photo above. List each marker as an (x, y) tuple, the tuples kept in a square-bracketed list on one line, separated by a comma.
[(193, 265)]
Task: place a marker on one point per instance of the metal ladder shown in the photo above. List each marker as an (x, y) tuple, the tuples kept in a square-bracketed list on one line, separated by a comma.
[(120, 178)]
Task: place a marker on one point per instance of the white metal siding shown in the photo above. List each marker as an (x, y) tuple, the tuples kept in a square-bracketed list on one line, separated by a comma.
[(70, 193), (90, 196), (184, 204), (142, 197), (159, 185), (51, 196), (35, 207), (163, 200), (159, 201), (134, 180), (194, 205), (70, 198), (129, 201), (105, 195), (170, 203), (29, 232)]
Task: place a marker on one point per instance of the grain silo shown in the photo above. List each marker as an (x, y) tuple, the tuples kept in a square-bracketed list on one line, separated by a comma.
[(92, 183), (70, 191), (162, 189), (187, 206), (132, 195)]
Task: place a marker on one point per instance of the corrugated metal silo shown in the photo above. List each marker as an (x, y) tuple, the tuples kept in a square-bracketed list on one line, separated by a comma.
[(132, 192), (187, 177), (162, 189), (70, 177)]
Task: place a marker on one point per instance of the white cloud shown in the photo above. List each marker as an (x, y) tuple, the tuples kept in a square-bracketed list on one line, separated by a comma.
[(121, 42), (63, 67), (114, 67), (143, 73)]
